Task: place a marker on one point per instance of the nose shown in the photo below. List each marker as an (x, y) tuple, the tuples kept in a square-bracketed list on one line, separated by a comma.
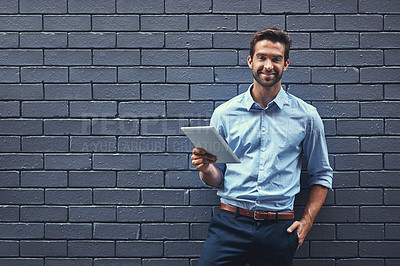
[(268, 65)]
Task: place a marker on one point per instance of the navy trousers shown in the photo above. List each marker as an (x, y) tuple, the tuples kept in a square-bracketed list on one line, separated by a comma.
[(235, 240)]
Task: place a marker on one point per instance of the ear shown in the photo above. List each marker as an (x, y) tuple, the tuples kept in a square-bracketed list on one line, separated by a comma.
[(249, 62), (287, 63)]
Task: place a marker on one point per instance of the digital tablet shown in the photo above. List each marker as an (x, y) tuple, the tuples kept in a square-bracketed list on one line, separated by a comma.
[(207, 138)]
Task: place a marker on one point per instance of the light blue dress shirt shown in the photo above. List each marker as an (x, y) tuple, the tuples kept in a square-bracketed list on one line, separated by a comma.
[(270, 142)]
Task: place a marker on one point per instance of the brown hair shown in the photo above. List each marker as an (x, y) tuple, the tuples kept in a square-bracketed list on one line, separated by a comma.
[(273, 35)]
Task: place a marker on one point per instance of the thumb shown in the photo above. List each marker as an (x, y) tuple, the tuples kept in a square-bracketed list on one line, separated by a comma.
[(293, 227)]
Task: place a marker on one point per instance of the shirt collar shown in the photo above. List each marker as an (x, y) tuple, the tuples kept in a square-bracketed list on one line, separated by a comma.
[(280, 99)]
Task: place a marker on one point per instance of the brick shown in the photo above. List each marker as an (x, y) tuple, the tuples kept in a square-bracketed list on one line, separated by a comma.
[(359, 196), (43, 179), (392, 262), (342, 6), (322, 232), (384, 75), (152, 6), (93, 109), (337, 109), (43, 6), (142, 179), (141, 144), (329, 127), (115, 23), (43, 214), (203, 197), (45, 144), (165, 91), (297, 75), (87, 248), (380, 144), (91, 40), (285, 6), (379, 213), (165, 197), (359, 22), (312, 58), (198, 231), (22, 261), (343, 145), (310, 22), (140, 214), (391, 57), (141, 74), (187, 6), (43, 40), (162, 126), (66, 23), (67, 92), (21, 57), (21, 23), (164, 262), (67, 161), (360, 126), (179, 144), (392, 92), (300, 40), (116, 231), (21, 161), (9, 248), (392, 231), (93, 144), (69, 57), (9, 74), (342, 249), (9, 39), (115, 126), (9, 109), (358, 162), (380, 109), (359, 92), (164, 57), (20, 127), (191, 109), (212, 23), (183, 248), (92, 179), (164, 162), (312, 92), (188, 40), (165, 231), (68, 196), (140, 40), (359, 58), (232, 40), (116, 57), (142, 109), (391, 197), (93, 74), (91, 6), (392, 126), (139, 249), (116, 196), (187, 214), (253, 22), (391, 161), (233, 75), (164, 23), (66, 126), (360, 262), (335, 214), (45, 109), (92, 214), (392, 22), (44, 74), (252, 6), (381, 249), (21, 230), (190, 74), (9, 179), (385, 6), (213, 92), (379, 179), (335, 75), (379, 40), (213, 58), (117, 261), (9, 7), (68, 261), (43, 248), (116, 161), (334, 40), (116, 92)]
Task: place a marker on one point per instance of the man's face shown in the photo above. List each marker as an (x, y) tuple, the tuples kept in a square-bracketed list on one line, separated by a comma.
[(268, 62)]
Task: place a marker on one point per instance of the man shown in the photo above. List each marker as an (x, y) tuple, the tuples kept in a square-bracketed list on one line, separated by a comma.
[(268, 129)]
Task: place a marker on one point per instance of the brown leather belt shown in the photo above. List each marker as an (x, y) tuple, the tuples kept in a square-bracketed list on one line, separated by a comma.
[(259, 215)]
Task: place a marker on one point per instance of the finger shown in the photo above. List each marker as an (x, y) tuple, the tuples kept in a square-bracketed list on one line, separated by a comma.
[(199, 151), (293, 227), (206, 156)]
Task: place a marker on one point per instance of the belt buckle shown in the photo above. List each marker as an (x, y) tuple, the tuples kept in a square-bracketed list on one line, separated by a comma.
[(255, 217)]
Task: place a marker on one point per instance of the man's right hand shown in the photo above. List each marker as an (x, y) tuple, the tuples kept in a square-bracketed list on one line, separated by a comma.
[(202, 160)]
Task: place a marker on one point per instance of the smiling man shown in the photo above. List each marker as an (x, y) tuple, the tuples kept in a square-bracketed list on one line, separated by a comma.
[(268, 129)]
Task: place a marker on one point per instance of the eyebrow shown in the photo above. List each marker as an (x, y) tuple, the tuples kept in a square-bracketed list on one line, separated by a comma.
[(275, 56)]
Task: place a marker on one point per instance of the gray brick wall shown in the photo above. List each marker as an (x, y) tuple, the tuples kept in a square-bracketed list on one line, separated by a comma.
[(94, 169)]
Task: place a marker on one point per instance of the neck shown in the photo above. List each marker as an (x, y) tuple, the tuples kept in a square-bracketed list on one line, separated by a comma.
[(264, 95)]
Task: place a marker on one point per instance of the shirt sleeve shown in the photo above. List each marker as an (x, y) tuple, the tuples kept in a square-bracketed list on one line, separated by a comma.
[(316, 152)]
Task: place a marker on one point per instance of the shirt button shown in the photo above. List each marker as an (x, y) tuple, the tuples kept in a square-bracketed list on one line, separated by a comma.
[(258, 201), (259, 188), (261, 168), (263, 149), (264, 129)]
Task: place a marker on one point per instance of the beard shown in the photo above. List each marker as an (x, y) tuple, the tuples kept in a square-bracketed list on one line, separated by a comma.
[(267, 82)]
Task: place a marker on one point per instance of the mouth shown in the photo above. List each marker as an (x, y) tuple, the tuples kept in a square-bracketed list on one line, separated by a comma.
[(267, 74)]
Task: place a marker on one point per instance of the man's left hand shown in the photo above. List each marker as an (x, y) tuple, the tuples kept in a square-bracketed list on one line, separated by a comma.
[(302, 227)]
